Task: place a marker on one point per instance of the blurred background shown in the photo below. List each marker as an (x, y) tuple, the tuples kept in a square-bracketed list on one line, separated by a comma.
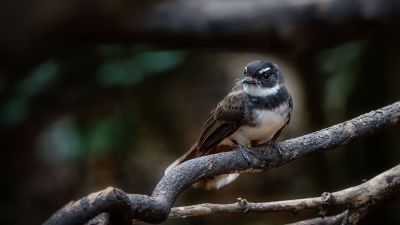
[(109, 93)]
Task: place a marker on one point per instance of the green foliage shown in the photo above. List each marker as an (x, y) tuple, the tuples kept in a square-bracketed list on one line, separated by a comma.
[(101, 136), (16, 107), (66, 140), (342, 65), (122, 66), (126, 68), (61, 141)]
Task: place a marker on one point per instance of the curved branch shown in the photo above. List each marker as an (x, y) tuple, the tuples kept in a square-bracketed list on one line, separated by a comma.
[(156, 208), (363, 196)]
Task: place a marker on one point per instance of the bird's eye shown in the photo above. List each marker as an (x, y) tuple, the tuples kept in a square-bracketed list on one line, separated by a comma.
[(245, 70), (265, 72)]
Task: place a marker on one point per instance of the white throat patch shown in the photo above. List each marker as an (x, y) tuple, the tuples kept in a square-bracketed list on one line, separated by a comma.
[(257, 91)]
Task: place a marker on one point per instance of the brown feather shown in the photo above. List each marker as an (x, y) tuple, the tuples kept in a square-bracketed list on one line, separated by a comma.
[(223, 121)]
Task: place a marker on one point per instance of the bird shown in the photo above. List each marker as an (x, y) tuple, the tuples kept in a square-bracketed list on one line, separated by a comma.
[(254, 112)]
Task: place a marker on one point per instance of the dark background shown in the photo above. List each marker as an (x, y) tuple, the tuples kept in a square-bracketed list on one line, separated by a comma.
[(109, 93)]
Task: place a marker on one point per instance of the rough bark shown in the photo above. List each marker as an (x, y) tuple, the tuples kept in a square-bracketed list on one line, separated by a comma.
[(358, 199), (156, 208)]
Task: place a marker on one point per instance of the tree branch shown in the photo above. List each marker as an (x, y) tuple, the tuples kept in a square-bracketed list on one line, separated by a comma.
[(282, 26), (273, 25), (156, 208), (358, 199), (327, 220)]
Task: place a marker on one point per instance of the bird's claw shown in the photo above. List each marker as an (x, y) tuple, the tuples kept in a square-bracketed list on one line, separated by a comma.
[(245, 152), (276, 146)]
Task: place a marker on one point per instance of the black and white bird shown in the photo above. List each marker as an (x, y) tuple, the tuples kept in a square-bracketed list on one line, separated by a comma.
[(254, 112)]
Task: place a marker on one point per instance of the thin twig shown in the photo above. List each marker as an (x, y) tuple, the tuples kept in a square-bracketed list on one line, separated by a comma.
[(156, 208), (379, 188)]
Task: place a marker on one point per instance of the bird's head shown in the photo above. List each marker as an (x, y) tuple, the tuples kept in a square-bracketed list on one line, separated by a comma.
[(262, 78)]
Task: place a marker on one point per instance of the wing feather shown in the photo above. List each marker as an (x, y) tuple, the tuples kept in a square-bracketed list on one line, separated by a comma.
[(223, 121)]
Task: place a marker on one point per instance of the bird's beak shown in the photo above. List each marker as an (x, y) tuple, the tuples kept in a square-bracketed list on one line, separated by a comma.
[(250, 80)]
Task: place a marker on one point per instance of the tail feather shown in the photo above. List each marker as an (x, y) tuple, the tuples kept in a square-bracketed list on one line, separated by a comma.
[(188, 155), (216, 182), (209, 183)]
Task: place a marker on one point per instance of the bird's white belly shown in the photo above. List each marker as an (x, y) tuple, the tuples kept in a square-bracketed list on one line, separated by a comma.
[(268, 122)]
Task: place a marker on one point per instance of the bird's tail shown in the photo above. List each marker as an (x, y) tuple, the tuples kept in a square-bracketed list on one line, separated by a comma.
[(190, 154), (209, 183), (216, 182)]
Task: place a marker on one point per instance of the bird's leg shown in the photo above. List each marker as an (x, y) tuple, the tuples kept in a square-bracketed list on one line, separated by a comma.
[(245, 152), (274, 144)]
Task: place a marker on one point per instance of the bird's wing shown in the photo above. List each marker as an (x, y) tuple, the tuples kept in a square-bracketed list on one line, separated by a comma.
[(223, 120)]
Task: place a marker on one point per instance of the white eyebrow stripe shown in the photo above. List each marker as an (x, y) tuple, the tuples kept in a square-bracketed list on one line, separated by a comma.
[(264, 70)]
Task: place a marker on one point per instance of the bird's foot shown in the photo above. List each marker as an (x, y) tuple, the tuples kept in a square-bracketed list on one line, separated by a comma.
[(245, 152), (276, 146)]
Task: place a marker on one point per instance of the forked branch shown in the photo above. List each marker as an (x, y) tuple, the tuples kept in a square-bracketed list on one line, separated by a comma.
[(359, 199), (122, 208)]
